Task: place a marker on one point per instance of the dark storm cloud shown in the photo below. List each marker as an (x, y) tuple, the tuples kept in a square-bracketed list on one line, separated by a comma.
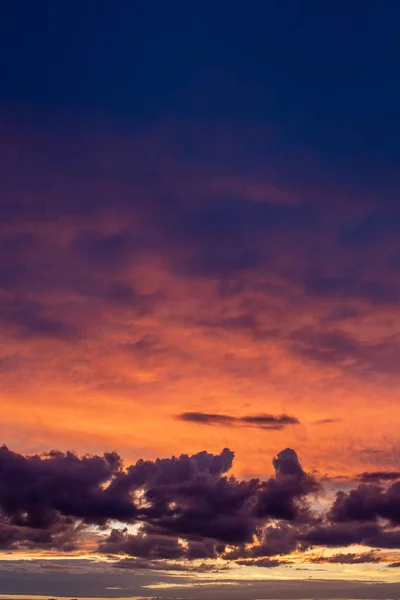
[(262, 421)]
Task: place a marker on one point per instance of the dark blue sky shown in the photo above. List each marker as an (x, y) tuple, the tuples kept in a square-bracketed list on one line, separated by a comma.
[(324, 73), (288, 60)]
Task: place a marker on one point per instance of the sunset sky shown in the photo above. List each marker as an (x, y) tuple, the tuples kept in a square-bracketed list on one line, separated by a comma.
[(200, 271)]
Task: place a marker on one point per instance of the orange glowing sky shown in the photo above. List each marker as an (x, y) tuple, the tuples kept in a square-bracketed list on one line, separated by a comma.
[(122, 311)]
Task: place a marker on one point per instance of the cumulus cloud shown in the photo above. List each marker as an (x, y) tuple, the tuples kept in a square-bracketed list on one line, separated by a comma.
[(368, 502), (185, 497), (186, 508)]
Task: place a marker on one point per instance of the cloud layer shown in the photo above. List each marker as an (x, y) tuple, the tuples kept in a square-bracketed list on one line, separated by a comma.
[(189, 508)]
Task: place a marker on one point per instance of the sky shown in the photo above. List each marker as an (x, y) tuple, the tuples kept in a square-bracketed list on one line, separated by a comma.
[(200, 299)]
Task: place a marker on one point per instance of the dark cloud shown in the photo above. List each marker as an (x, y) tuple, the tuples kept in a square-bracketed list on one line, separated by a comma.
[(282, 496), (173, 471), (61, 534), (368, 502), (207, 418), (337, 535), (186, 509), (266, 563), (349, 559), (262, 421), (327, 421), (36, 490), (47, 501), (277, 539), (162, 565), (230, 510), (186, 497), (378, 476), (142, 545)]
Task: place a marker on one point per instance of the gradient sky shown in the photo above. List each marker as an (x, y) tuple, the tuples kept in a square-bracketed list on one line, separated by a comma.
[(200, 251)]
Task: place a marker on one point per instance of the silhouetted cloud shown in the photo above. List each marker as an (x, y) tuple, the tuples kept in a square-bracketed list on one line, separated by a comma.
[(163, 565), (142, 545), (349, 558), (277, 539), (187, 508), (378, 476), (336, 535), (62, 534), (368, 502), (266, 563), (262, 421), (186, 497), (36, 490)]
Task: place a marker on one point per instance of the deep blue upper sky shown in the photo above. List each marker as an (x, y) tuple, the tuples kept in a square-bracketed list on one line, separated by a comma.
[(325, 72), (297, 61)]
